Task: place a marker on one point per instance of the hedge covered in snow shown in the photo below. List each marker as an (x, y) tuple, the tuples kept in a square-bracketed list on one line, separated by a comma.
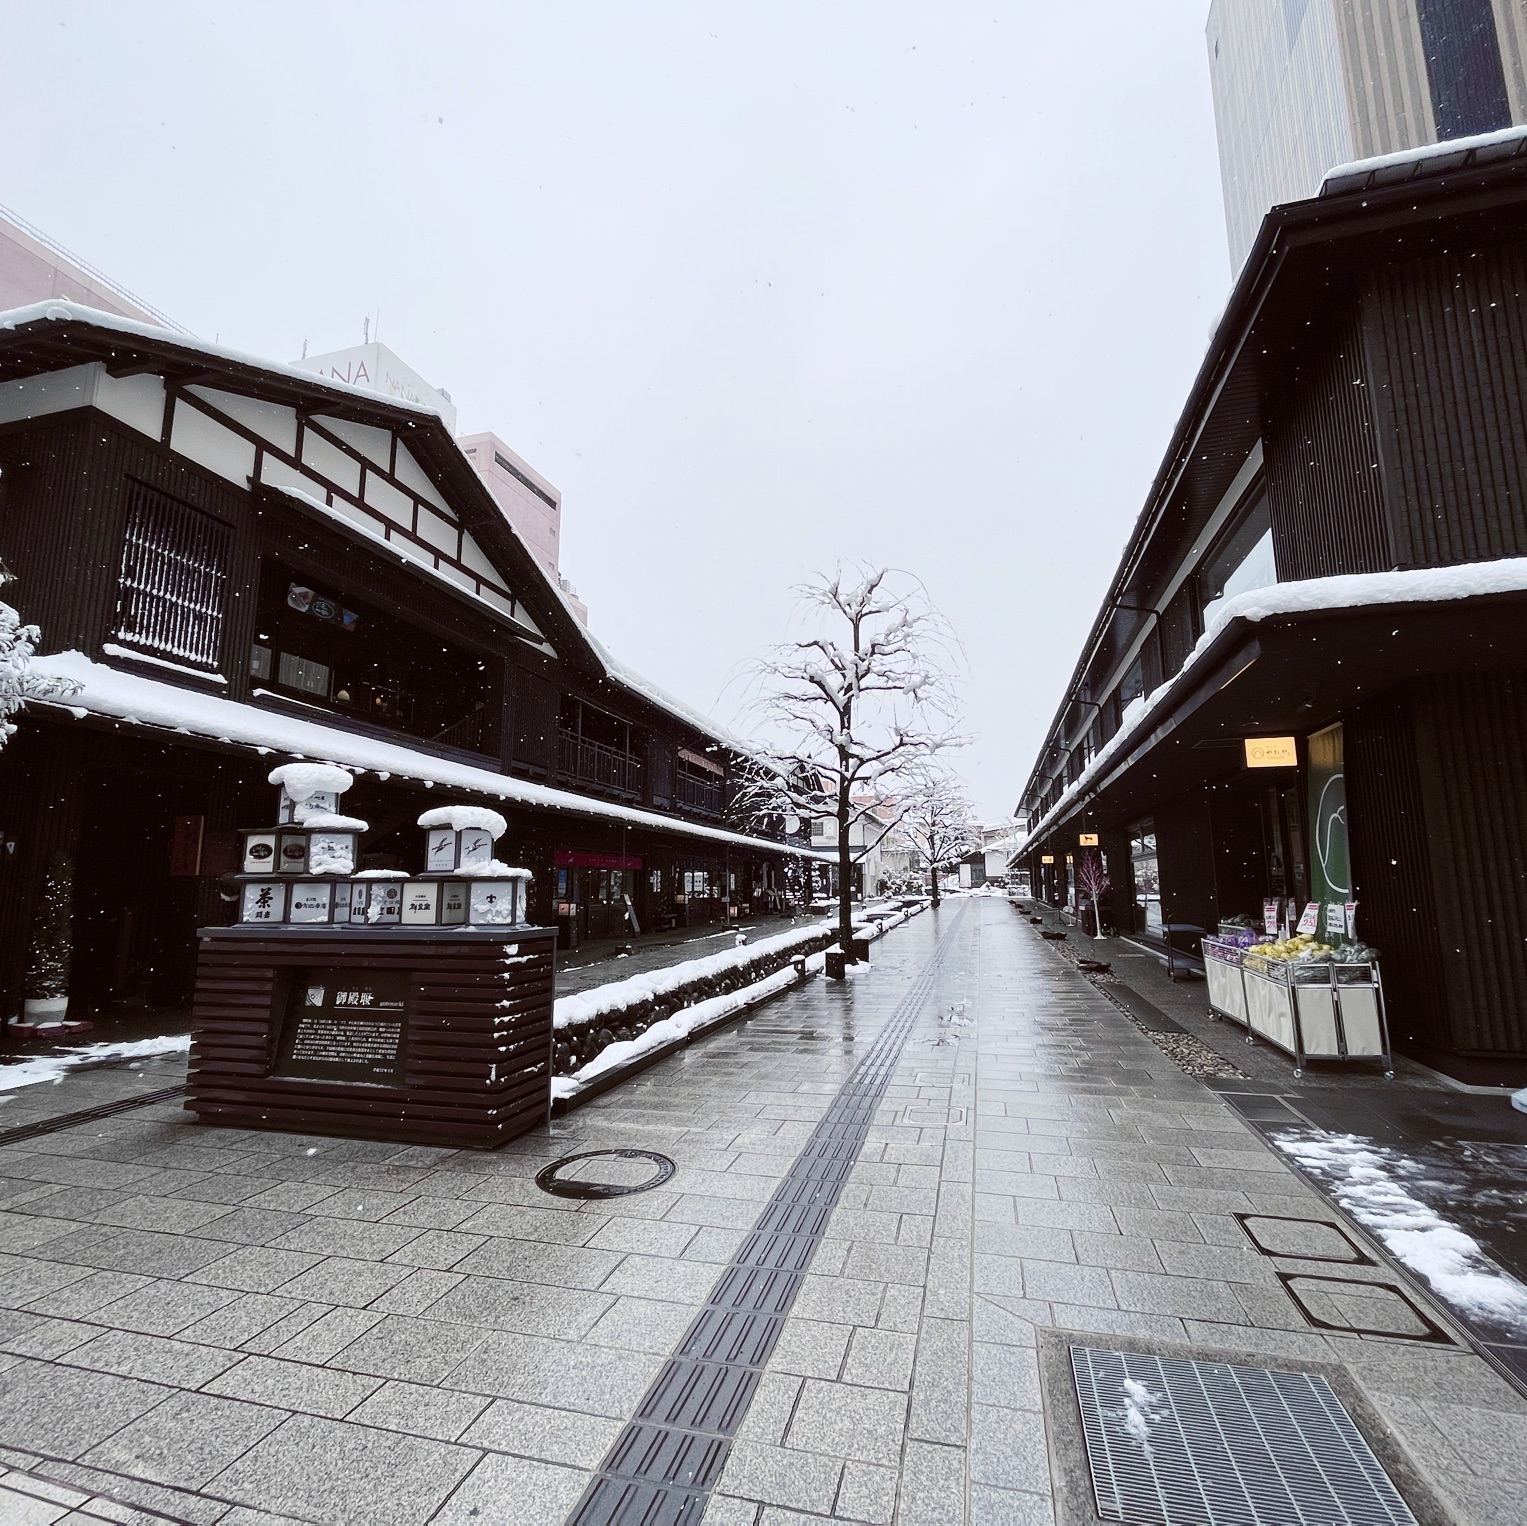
[(617, 1013)]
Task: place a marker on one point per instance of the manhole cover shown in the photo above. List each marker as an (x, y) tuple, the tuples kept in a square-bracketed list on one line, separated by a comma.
[(1179, 1443), (605, 1173)]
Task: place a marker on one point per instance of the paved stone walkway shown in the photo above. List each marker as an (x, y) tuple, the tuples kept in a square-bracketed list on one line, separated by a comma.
[(219, 1326)]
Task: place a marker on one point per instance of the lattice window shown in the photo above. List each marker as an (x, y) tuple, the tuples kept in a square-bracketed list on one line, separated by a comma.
[(174, 575)]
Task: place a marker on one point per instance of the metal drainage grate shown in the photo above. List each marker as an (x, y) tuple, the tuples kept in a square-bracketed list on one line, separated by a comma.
[(548, 1179), (1179, 1443)]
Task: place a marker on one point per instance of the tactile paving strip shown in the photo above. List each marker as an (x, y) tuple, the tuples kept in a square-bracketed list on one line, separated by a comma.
[(663, 1465)]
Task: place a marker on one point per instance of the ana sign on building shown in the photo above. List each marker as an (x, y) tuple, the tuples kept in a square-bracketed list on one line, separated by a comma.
[(377, 369)]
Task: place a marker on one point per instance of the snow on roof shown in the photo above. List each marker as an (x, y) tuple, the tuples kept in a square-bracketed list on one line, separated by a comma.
[(1421, 154), (650, 691), (56, 310), (140, 700), (1423, 585), (466, 818)]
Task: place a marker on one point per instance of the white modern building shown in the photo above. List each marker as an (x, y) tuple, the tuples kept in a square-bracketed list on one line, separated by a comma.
[(377, 369), (1302, 85), (530, 503)]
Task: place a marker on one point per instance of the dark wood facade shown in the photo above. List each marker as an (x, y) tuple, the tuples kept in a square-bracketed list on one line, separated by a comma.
[(477, 1034), (1366, 396), (383, 596)]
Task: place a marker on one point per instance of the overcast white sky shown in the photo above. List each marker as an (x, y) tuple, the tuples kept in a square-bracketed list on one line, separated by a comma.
[(758, 286)]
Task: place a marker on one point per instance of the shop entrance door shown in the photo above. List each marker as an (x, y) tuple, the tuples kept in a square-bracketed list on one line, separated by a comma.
[(1145, 872)]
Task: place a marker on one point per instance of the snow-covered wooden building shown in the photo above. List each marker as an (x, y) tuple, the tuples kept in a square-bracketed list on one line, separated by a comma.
[(237, 563), (1308, 682)]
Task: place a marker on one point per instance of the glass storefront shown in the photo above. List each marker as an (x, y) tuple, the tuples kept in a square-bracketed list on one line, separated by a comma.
[(1145, 873)]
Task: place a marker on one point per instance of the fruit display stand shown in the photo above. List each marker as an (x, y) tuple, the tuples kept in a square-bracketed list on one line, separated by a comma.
[(374, 1004), (1309, 1008)]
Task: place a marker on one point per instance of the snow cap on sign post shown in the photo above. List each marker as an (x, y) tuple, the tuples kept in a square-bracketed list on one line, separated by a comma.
[(460, 842), (459, 836), (310, 789)]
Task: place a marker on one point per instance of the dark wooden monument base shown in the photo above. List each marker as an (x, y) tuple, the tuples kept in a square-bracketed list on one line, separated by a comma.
[(429, 1035)]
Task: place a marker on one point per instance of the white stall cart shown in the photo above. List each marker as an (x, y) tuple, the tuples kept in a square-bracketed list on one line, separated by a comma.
[(1310, 1009)]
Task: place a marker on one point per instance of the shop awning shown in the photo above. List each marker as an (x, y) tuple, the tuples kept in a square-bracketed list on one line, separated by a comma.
[(1292, 661)]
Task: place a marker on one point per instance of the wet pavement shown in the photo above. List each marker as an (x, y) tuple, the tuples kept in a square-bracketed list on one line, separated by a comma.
[(228, 1326)]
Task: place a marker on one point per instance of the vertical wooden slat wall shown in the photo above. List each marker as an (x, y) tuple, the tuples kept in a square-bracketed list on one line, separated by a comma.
[(1392, 868), (1471, 743), (1448, 338), (1324, 476), (478, 1040)]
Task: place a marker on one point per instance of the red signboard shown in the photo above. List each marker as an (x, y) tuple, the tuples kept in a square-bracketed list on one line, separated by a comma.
[(185, 846), (576, 858)]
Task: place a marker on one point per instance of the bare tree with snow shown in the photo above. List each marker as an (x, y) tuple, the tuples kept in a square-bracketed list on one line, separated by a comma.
[(851, 708), (936, 814), (1092, 880)]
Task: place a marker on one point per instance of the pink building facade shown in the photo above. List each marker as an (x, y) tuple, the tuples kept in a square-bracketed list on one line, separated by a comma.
[(33, 269), (530, 503)]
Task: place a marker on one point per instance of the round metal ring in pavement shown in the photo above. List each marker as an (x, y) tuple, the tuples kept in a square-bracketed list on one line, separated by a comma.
[(549, 1179)]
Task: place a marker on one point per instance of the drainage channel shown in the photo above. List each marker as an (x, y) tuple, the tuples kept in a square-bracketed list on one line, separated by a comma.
[(88, 1115), (664, 1464)]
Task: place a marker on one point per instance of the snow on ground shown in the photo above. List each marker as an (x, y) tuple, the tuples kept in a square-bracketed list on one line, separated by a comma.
[(1139, 1410), (1364, 1178), (621, 993), (54, 1067)]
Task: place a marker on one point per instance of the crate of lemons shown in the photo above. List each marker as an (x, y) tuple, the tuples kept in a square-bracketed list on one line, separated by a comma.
[(1304, 958)]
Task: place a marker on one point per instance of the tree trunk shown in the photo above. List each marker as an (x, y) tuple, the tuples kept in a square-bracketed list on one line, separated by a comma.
[(845, 877), (933, 876)]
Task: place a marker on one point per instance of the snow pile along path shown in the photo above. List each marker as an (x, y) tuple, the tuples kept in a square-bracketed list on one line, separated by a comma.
[(679, 1026), (620, 994), (1364, 1178), (54, 1067)]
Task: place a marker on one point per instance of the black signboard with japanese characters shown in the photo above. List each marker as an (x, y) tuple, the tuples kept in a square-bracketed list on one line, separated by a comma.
[(345, 1025)]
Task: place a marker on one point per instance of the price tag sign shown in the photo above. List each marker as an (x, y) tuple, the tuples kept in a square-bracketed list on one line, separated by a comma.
[(1271, 910), (1309, 921), (1351, 910), (1336, 918)]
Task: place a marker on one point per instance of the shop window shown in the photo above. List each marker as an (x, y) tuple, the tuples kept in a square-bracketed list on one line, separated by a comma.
[(1241, 560), (172, 580), (325, 648), (1179, 630), (1146, 874), (1132, 685)]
